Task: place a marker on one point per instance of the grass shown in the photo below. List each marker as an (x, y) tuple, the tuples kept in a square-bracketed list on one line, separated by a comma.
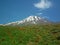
[(30, 35)]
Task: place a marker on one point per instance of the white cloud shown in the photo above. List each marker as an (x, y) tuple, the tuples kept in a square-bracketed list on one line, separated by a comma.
[(43, 4), (46, 17), (39, 13)]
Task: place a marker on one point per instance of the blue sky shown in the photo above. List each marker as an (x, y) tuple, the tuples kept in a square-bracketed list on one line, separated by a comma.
[(14, 10)]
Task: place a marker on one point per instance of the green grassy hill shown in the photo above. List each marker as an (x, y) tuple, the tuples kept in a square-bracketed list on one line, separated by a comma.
[(30, 35)]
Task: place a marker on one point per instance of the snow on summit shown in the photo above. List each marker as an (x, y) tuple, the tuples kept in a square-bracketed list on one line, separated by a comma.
[(29, 20)]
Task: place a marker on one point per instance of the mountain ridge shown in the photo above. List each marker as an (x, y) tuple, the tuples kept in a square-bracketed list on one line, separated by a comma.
[(30, 20)]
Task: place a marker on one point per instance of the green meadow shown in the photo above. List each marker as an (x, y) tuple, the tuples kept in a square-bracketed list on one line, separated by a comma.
[(30, 35)]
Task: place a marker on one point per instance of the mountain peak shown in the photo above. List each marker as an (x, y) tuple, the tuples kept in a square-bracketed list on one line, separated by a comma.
[(30, 20)]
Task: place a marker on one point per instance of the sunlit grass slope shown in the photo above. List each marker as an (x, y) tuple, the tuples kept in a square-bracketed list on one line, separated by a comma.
[(30, 35)]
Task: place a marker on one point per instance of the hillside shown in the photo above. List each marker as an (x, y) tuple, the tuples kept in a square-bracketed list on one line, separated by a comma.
[(30, 35)]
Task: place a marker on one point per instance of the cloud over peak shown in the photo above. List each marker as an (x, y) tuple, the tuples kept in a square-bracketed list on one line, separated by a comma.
[(43, 4)]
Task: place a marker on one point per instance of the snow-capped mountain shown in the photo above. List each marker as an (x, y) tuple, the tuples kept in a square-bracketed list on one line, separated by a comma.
[(30, 20)]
